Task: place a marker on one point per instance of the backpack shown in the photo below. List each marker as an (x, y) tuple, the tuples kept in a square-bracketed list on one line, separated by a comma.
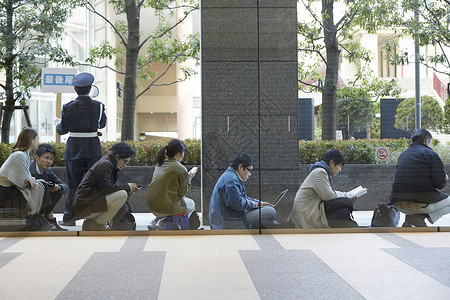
[(385, 215), (124, 219)]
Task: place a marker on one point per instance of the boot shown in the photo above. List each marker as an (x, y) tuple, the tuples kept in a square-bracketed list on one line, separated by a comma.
[(415, 220), (92, 225), (56, 225)]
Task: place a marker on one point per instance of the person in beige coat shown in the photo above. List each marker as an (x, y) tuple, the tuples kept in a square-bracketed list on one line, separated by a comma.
[(316, 204)]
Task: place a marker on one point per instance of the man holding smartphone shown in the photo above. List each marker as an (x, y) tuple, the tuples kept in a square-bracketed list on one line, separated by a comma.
[(40, 168), (99, 197)]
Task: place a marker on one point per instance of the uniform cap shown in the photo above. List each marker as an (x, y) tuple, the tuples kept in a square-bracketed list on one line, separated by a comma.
[(83, 80)]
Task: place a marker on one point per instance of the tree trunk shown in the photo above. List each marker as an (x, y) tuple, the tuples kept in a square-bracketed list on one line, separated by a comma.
[(331, 77), (8, 109), (129, 90)]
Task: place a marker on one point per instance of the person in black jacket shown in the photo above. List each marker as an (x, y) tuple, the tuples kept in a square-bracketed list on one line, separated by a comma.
[(40, 169), (419, 176), (99, 197)]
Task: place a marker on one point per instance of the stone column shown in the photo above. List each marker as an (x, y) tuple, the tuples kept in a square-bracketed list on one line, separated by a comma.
[(249, 95)]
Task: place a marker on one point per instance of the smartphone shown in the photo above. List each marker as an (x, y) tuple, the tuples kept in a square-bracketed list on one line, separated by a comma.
[(139, 186), (50, 184)]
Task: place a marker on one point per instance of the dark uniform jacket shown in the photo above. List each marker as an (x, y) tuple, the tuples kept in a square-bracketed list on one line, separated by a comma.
[(48, 175), (98, 182), (82, 115), (418, 176)]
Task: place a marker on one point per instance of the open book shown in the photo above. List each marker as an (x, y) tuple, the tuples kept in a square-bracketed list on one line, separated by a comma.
[(358, 192)]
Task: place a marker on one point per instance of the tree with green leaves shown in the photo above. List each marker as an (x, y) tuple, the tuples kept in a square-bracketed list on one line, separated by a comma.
[(28, 31), (431, 114), (323, 36), (355, 111), (141, 51), (446, 117), (432, 27)]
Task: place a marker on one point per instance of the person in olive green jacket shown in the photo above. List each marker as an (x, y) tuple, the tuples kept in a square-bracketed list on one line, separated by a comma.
[(170, 183)]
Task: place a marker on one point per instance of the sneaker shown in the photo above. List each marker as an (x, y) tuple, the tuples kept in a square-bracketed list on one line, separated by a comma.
[(92, 225), (56, 225), (67, 221), (415, 221), (152, 225)]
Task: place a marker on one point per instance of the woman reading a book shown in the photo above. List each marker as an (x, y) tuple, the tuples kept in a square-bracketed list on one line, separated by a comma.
[(316, 204)]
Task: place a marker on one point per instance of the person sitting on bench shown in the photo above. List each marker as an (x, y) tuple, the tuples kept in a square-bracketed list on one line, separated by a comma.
[(419, 176), (170, 183)]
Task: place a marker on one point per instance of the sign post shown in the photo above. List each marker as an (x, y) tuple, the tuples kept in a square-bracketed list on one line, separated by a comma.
[(382, 154), (58, 80)]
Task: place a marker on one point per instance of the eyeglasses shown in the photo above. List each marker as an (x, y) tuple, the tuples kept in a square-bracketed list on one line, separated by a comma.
[(126, 161), (249, 170)]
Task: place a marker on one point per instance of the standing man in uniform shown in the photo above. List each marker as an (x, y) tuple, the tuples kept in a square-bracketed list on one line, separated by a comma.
[(80, 118)]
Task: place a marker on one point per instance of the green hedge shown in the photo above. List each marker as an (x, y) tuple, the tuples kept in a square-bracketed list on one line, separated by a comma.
[(355, 151), (146, 152)]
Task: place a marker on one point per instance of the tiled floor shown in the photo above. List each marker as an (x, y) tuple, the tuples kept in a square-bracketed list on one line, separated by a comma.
[(363, 218), (325, 265), (278, 266)]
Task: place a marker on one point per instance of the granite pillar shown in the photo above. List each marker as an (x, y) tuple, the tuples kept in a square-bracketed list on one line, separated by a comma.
[(249, 94)]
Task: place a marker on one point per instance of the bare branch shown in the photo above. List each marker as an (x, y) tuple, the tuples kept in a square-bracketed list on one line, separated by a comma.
[(311, 85), (157, 78), (350, 19), (102, 67), (314, 15), (167, 30), (92, 9), (316, 51)]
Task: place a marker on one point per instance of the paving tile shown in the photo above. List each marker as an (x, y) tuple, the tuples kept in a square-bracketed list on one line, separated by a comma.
[(207, 286), (128, 274), (201, 244), (294, 274), (379, 269), (332, 241), (212, 262), (40, 275), (432, 239), (68, 244)]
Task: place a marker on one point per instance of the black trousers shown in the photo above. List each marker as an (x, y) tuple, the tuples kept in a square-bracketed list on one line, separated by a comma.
[(75, 171), (339, 213)]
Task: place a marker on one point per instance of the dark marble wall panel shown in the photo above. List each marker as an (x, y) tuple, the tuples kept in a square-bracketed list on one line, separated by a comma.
[(229, 34), (229, 3), (278, 3), (279, 136), (228, 88), (249, 93), (278, 91), (225, 136), (277, 34)]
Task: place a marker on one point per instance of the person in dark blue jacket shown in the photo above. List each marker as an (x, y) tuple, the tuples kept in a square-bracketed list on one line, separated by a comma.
[(419, 176), (80, 118), (230, 207), (40, 168)]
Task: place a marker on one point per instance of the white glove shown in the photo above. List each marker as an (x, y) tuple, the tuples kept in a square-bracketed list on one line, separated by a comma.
[(57, 121)]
